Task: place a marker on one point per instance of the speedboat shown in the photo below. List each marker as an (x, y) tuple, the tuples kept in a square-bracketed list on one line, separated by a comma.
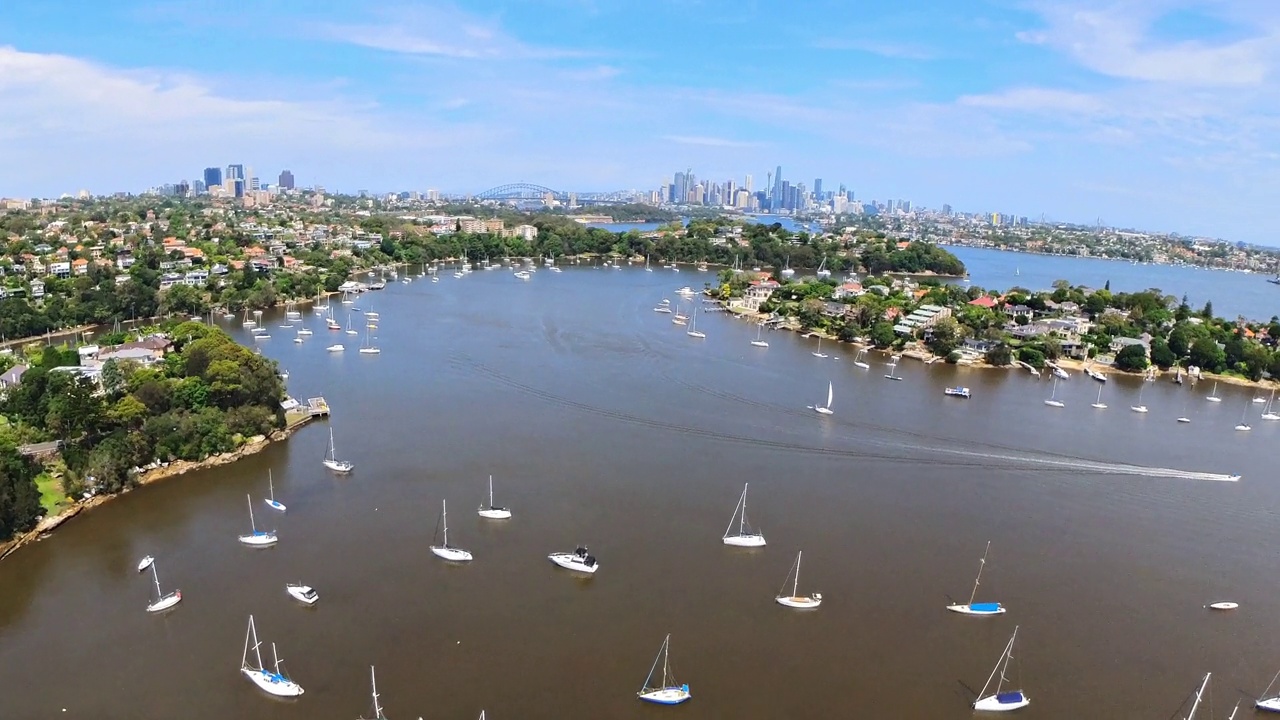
[(958, 392), (304, 594), (578, 561), (335, 348), (145, 563)]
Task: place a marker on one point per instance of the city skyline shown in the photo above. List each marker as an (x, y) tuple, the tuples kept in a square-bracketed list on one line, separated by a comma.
[(1151, 114)]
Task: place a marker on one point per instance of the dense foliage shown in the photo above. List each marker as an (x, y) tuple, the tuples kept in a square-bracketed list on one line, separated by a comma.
[(206, 397), (19, 498)]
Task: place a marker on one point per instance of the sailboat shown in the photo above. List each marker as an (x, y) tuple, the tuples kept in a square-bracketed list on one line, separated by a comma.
[(893, 368), (1268, 413), (331, 460), (271, 497), (274, 681), (1267, 701), (447, 551), (377, 709), (858, 360), (664, 306), (162, 601), (818, 353), (1101, 405), (318, 308), (1244, 425), (1199, 696), (745, 537), (491, 511), (256, 537), (823, 272), (693, 330), (1139, 408), (668, 692), (1184, 418), (825, 409), (145, 563), (646, 264), (1001, 701), (1053, 400), (1213, 397), (349, 330), (758, 342), (795, 600), (786, 269), (368, 349), (972, 608)]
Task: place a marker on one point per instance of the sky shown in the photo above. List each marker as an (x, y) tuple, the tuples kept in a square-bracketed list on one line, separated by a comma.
[(1151, 114)]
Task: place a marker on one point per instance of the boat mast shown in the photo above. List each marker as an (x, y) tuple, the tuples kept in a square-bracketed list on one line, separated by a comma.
[(981, 564), (252, 526), (244, 657), (156, 575), (666, 661), (490, 491), (444, 514), (796, 585), (271, 485), (1199, 694), (1001, 664), (377, 709), (742, 522), (276, 657)]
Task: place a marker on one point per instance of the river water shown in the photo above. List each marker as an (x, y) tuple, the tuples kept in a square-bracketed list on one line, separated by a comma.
[(604, 424)]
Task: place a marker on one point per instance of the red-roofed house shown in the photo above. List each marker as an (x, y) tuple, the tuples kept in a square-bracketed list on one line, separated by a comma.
[(985, 301)]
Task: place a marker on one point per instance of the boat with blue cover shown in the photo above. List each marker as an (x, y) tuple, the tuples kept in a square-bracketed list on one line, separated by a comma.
[(1001, 700), (958, 391), (668, 692), (983, 608)]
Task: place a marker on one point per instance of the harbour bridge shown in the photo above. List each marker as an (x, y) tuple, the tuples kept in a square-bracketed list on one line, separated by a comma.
[(538, 193)]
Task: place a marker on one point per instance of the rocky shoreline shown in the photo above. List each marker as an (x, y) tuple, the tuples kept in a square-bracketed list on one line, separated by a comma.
[(253, 446)]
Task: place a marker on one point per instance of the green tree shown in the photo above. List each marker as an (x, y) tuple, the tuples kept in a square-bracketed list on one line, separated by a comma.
[(19, 496), (1162, 355), (1132, 358), (999, 355), (1032, 357), (1206, 354), (882, 334), (944, 337)]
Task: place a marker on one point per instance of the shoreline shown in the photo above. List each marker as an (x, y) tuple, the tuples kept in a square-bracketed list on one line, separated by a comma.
[(178, 467)]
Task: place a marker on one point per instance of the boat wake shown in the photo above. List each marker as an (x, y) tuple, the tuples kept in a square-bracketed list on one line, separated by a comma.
[(992, 456)]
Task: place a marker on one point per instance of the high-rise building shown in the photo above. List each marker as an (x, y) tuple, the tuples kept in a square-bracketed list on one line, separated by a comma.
[(212, 177), (198, 186), (817, 189), (747, 186), (778, 197), (253, 183), (286, 180), (946, 209), (235, 172)]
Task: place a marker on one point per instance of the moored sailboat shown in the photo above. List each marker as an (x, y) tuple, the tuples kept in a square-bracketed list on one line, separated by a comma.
[(444, 550), (331, 460), (667, 692), (273, 681), (972, 608), (162, 601), (759, 342), (795, 599), (491, 511), (271, 496), (1001, 700), (256, 537), (745, 537)]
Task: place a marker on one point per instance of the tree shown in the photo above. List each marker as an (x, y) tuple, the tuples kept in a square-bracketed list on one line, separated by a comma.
[(999, 355), (882, 334), (1162, 355), (1032, 357), (1207, 311), (19, 496), (944, 336), (1206, 354), (1132, 358)]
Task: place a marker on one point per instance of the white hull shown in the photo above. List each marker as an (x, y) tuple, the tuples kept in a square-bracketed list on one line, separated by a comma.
[(369, 351), (335, 348), (304, 594), (494, 513), (1184, 419), (859, 363), (569, 561), (823, 411), (800, 603), (1270, 416), (451, 554), (1213, 398), (1243, 428), (1100, 406), (1138, 408), (145, 563), (272, 683), (1055, 403), (818, 354), (338, 466), (759, 343), (165, 602), (1223, 606), (275, 504), (259, 539), (748, 541), (665, 696), (970, 610), (696, 334), (992, 703), (1269, 704)]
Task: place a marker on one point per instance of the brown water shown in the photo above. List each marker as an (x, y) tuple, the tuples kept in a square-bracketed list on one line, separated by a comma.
[(604, 424)]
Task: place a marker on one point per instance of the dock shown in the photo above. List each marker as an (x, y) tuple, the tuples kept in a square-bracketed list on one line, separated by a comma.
[(317, 407)]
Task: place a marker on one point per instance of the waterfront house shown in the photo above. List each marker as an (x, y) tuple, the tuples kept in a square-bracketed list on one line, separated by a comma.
[(37, 289), (146, 351), (847, 290), (1121, 343), (1017, 311), (924, 317), (757, 293), (986, 301), (12, 376)]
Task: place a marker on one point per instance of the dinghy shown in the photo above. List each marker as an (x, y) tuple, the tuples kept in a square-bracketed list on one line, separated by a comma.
[(145, 563)]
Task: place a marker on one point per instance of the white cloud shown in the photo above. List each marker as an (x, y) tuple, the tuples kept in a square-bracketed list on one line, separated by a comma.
[(599, 72), (707, 141), (898, 51), (1036, 100)]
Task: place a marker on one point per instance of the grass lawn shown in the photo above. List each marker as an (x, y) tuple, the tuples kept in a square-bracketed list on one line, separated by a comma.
[(52, 498)]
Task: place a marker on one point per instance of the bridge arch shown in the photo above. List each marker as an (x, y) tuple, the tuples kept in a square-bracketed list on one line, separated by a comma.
[(519, 191)]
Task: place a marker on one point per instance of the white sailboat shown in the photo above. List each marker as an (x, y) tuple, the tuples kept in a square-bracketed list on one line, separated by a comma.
[(1098, 403), (377, 709), (1213, 396), (271, 497), (693, 330), (1001, 700), (256, 537), (491, 511), (893, 369), (162, 601), (758, 342), (972, 608), (579, 561), (1268, 413), (667, 692), (680, 318), (1184, 418), (273, 681), (145, 563), (445, 550), (858, 360), (1139, 408), (1244, 424), (366, 348), (823, 273), (795, 600), (1199, 696), (745, 537), (818, 353), (349, 330), (786, 268), (664, 306), (825, 409), (1053, 400), (1267, 701), (331, 460)]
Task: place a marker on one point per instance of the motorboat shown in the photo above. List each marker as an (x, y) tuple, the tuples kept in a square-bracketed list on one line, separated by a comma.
[(578, 561), (304, 594), (958, 391)]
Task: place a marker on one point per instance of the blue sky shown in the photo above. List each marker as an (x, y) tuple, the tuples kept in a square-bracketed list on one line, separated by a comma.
[(1155, 114)]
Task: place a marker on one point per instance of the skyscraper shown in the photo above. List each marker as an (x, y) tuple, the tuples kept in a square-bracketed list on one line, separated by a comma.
[(817, 189), (212, 176), (747, 186), (777, 198), (286, 180), (235, 172)]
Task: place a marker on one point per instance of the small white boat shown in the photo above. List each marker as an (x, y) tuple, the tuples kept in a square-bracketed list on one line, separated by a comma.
[(145, 563), (262, 336), (859, 362), (491, 511), (274, 682), (818, 353), (556, 269), (686, 291), (1224, 605), (335, 348), (826, 409), (162, 602), (367, 348), (1095, 374), (331, 460), (1001, 700), (1059, 372), (693, 331), (758, 342), (270, 500), (795, 600), (446, 551), (958, 391), (297, 340), (304, 594), (1267, 701), (1053, 400), (1139, 408), (1184, 419), (256, 537), (1244, 425), (663, 309), (745, 537), (579, 561), (1098, 403), (972, 608), (667, 692), (1213, 396)]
